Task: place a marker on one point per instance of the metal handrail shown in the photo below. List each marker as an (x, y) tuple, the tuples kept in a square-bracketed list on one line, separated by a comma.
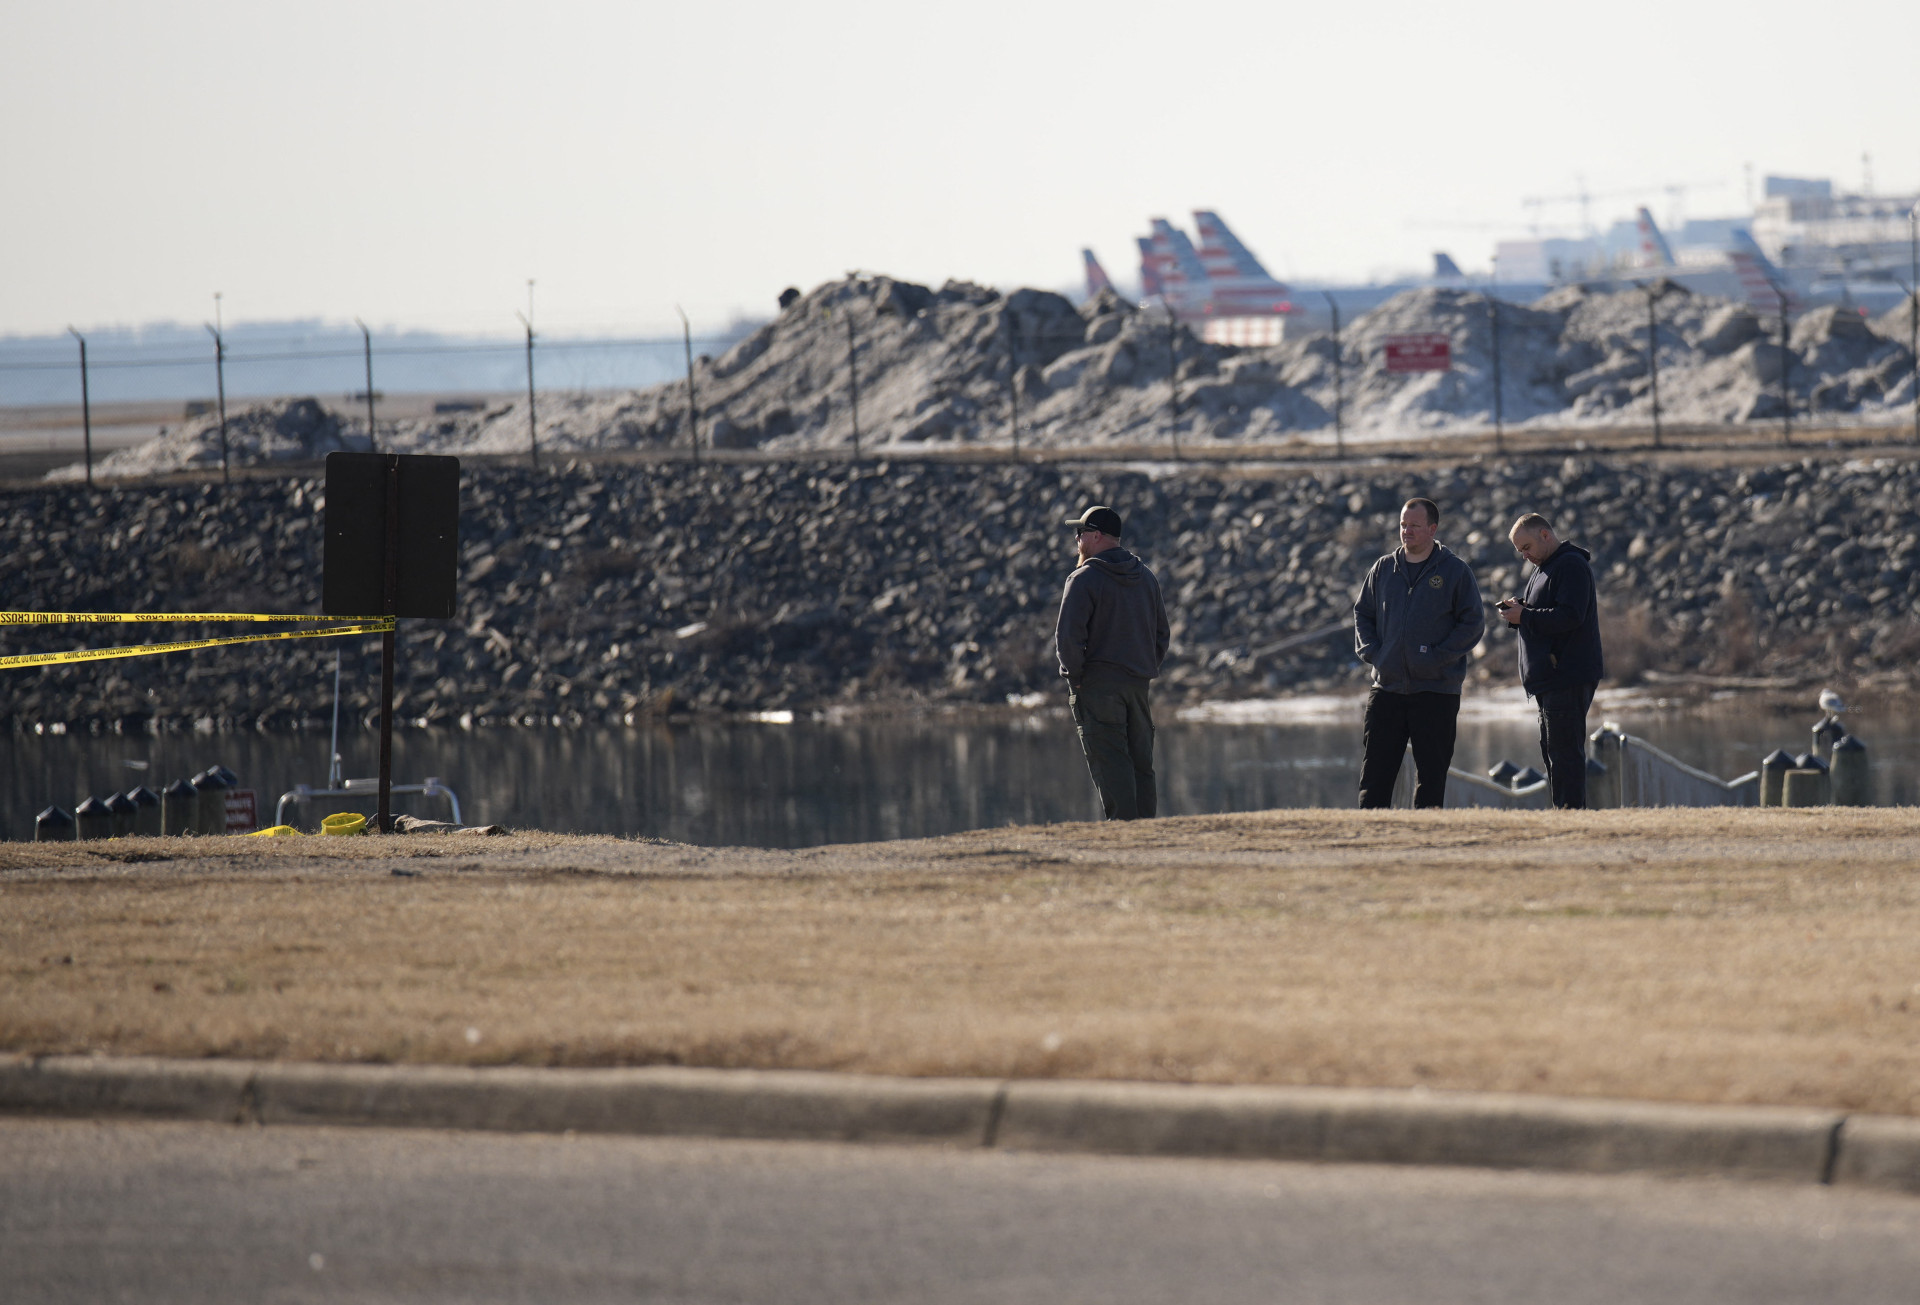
[(433, 787)]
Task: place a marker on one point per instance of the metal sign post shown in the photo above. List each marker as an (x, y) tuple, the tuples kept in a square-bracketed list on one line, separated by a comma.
[(392, 546)]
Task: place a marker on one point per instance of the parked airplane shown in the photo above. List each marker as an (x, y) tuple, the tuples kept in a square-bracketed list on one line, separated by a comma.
[(1654, 250), (1237, 285), (1764, 285), (1097, 278)]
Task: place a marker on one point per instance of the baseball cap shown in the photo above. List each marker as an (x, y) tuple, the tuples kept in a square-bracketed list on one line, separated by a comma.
[(1103, 519)]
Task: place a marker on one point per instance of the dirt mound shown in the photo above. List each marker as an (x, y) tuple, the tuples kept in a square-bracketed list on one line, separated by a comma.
[(289, 430)]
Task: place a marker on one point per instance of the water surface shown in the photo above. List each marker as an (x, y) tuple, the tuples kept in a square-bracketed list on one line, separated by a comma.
[(816, 782)]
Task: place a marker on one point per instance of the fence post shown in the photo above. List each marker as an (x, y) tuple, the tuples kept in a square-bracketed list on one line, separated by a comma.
[(366, 341), (1653, 355), (1499, 409), (533, 430), (220, 382), (1339, 396), (86, 405), (1173, 380), (1013, 382), (853, 384), (693, 407)]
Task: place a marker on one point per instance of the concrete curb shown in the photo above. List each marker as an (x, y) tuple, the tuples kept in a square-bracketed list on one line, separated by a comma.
[(1318, 1124)]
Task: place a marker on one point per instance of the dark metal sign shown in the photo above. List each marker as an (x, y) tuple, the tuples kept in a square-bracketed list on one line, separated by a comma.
[(423, 494)]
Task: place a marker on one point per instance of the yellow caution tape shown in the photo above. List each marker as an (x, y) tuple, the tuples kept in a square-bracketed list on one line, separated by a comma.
[(148, 618), (365, 625)]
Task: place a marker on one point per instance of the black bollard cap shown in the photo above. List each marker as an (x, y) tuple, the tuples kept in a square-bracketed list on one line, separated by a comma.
[(51, 817), (1807, 761), (180, 788), (211, 778), (118, 802), (91, 807), (1527, 778), (1847, 743), (143, 797), (1778, 759), (1502, 771)]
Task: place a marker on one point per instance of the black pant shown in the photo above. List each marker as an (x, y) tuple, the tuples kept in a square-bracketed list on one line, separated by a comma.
[(1115, 724), (1563, 741), (1393, 720)]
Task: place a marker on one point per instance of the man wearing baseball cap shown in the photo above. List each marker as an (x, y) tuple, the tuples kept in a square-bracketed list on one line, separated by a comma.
[(1112, 636)]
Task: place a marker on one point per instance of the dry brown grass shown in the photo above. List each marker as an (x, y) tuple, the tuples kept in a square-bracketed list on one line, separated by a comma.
[(1734, 956)]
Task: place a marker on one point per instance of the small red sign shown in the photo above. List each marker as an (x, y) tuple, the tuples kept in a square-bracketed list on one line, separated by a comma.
[(1419, 353), (242, 818)]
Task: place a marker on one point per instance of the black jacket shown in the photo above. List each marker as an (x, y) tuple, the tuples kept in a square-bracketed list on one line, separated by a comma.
[(1560, 624), (1111, 620), (1415, 622)]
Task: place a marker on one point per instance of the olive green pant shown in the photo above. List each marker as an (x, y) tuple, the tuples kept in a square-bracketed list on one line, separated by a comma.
[(1115, 724)]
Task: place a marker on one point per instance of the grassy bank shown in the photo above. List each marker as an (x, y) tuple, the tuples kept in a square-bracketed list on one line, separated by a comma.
[(1733, 956)]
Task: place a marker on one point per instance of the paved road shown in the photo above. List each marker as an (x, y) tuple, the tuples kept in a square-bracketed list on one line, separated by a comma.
[(95, 1211)]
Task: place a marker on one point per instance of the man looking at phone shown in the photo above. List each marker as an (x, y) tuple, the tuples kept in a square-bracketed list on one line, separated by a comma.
[(1558, 617), (1415, 620)]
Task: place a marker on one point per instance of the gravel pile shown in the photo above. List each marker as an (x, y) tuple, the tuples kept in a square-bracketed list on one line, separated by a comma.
[(599, 594), (286, 430)]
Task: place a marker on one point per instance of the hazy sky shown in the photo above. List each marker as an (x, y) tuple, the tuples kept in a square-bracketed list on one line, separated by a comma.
[(415, 163)]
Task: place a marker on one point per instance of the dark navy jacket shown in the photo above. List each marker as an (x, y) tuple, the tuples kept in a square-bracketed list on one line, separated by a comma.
[(1415, 623), (1560, 626)]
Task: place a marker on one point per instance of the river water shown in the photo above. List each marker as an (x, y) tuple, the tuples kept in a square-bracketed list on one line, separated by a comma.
[(823, 781)]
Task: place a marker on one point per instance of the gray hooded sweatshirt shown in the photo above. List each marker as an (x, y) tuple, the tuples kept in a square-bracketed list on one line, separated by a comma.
[(1112, 624), (1415, 622)]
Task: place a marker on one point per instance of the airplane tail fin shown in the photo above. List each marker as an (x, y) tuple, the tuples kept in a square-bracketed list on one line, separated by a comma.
[(1654, 251), (1445, 269), (1765, 286), (1180, 264), (1096, 275), (1152, 284), (1222, 253)]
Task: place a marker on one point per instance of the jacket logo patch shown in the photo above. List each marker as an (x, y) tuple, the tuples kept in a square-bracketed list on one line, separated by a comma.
[(1433, 581)]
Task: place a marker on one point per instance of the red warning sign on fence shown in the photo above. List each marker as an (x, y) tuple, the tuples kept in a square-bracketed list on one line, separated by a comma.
[(242, 817), (1419, 353)]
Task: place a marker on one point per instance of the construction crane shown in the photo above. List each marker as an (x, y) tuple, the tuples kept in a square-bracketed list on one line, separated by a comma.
[(1674, 191)]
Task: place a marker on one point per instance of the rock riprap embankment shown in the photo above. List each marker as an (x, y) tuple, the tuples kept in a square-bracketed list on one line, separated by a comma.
[(592, 593)]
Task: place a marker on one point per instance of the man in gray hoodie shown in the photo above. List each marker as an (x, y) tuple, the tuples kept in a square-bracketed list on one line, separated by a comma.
[(1415, 620), (1111, 637)]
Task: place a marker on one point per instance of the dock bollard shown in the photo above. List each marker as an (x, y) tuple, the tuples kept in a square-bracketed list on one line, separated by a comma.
[(1502, 772), (93, 820), (53, 826), (146, 811), (1773, 769), (179, 808), (1806, 784), (122, 812), (1827, 733), (1849, 773), (211, 785)]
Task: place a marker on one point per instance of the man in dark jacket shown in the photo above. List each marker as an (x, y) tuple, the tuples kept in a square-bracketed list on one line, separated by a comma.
[(1112, 636), (1415, 620), (1558, 617)]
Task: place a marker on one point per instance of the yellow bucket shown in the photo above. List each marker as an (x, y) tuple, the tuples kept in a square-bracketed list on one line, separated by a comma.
[(344, 822), (277, 831)]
